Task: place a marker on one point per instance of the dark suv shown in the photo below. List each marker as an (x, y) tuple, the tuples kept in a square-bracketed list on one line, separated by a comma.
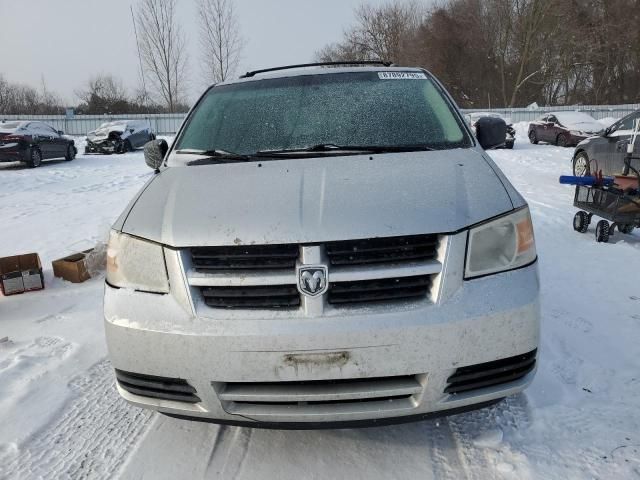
[(606, 151)]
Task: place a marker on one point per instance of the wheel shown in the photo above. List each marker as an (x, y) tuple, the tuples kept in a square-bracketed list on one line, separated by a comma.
[(533, 138), (581, 165), (581, 221), (562, 140), (509, 145), (602, 231), (71, 153), (35, 158), (628, 228), (126, 147)]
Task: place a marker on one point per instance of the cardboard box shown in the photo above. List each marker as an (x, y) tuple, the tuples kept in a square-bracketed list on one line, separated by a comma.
[(21, 273), (72, 268), (81, 266)]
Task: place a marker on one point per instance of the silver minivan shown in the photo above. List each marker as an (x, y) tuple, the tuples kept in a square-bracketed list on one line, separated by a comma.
[(322, 248)]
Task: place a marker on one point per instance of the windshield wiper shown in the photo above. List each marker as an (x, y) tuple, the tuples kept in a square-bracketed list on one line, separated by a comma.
[(332, 147), (214, 156)]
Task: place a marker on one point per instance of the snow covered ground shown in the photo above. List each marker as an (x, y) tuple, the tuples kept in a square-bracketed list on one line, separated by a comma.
[(60, 416)]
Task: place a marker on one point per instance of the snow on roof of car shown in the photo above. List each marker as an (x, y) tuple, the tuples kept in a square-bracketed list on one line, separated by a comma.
[(573, 117), (12, 126)]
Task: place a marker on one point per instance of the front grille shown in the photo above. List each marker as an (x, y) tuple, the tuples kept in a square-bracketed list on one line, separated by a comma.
[(270, 296), (249, 257), (152, 386), (385, 289), (300, 397), (383, 250), (490, 374)]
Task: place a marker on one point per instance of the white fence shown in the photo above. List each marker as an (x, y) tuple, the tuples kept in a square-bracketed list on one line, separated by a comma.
[(596, 111), (167, 124), (161, 123)]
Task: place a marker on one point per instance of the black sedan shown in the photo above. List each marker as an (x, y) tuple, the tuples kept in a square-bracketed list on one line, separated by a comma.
[(33, 142), (607, 150)]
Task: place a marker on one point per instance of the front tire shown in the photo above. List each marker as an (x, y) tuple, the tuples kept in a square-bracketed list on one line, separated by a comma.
[(533, 138), (602, 231), (562, 140), (628, 228), (581, 165), (35, 158), (581, 222), (71, 153)]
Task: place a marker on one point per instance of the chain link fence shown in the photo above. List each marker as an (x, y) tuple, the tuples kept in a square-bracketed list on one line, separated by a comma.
[(169, 123)]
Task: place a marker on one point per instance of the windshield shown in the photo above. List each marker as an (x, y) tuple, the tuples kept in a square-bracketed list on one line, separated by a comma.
[(342, 109)]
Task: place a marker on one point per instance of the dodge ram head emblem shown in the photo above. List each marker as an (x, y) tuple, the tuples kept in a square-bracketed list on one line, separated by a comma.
[(312, 281)]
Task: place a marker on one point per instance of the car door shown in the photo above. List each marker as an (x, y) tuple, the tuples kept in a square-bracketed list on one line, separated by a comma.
[(43, 138), (536, 126), (541, 129), (618, 138), (552, 129), (59, 143)]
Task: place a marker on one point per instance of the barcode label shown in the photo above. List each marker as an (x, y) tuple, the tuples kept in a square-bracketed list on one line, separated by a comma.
[(402, 76)]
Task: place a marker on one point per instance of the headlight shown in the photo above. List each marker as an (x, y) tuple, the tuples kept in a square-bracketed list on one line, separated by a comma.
[(136, 264), (501, 244)]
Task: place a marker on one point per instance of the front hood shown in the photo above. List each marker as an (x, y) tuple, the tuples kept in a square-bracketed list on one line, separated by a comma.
[(585, 127), (318, 199)]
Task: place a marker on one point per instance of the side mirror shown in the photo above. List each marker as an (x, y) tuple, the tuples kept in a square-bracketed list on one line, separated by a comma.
[(491, 132), (154, 152)]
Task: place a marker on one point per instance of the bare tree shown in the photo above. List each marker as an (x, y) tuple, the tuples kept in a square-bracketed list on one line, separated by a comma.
[(162, 47), (220, 39), (381, 33)]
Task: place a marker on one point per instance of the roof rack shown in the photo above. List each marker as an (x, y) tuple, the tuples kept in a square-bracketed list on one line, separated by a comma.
[(318, 64)]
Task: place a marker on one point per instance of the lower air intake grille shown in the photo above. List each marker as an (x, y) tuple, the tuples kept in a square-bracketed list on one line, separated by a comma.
[(175, 389), (320, 396), (243, 257), (386, 289), (270, 296), (491, 373)]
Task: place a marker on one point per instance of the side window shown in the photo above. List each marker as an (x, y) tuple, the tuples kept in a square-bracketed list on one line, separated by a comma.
[(552, 119), (544, 119), (628, 123)]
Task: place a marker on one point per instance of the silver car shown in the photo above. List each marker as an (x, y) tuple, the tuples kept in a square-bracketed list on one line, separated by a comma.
[(322, 247)]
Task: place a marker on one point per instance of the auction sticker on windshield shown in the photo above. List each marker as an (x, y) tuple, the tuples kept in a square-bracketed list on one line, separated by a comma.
[(402, 76)]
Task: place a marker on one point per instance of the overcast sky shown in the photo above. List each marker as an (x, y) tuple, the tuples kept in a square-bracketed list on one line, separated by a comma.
[(67, 41)]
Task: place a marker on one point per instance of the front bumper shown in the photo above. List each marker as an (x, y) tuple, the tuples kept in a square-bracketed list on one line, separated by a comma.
[(482, 320), (105, 148)]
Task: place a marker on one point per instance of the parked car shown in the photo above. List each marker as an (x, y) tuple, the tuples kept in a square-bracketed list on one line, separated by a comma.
[(565, 129), (607, 150), (120, 136), (325, 247), (510, 137), (33, 142)]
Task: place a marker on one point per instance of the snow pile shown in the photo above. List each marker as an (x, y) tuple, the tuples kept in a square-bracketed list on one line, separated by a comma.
[(60, 416)]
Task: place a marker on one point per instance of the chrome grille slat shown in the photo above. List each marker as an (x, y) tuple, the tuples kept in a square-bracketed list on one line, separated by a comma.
[(379, 290), (360, 271)]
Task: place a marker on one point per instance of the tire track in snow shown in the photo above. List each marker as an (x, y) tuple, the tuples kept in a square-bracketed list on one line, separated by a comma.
[(91, 439), (229, 452)]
